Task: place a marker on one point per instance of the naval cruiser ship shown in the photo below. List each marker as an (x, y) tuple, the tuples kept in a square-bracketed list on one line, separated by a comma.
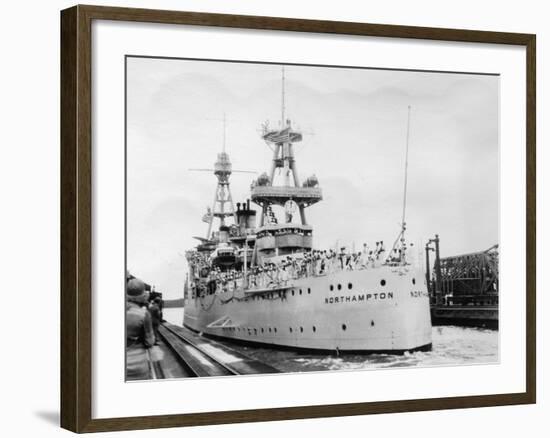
[(263, 282)]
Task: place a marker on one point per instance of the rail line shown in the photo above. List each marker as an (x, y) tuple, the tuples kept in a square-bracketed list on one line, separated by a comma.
[(195, 359)]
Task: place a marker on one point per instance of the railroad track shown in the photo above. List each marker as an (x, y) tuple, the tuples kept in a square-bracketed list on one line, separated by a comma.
[(196, 360), (157, 371)]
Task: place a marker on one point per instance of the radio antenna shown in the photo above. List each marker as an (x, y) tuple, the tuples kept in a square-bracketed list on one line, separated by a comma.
[(283, 97), (401, 235), (406, 169), (224, 129)]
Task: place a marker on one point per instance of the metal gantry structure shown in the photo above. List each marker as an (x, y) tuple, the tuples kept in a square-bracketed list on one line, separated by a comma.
[(466, 279), (471, 278)]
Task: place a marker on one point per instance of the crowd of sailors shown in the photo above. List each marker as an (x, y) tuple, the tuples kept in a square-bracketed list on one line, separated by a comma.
[(282, 232), (143, 317), (313, 263)]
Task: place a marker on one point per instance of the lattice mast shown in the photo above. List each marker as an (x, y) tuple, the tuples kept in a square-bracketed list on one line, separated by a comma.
[(222, 205), (281, 141)]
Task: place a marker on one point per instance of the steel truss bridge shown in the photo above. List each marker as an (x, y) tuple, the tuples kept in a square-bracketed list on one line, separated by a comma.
[(470, 279)]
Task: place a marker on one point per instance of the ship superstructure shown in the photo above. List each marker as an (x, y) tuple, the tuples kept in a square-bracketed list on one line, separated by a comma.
[(267, 284)]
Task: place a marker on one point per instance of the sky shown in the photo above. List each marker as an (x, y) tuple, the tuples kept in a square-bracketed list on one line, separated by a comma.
[(354, 124)]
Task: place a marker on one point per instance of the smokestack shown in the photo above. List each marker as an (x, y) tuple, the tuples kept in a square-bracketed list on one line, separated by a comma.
[(238, 206), (224, 234)]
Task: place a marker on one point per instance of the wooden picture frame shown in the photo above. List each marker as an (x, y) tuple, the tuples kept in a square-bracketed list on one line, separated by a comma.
[(76, 217)]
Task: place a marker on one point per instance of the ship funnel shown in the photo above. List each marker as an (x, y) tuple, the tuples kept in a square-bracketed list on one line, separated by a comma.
[(251, 219), (224, 234), (246, 217)]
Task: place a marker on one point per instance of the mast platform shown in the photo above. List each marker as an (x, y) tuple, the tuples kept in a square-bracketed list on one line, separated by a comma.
[(278, 195), (278, 136)]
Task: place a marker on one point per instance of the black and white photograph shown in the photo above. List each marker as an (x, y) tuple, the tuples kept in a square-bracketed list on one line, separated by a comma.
[(287, 218), (279, 219)]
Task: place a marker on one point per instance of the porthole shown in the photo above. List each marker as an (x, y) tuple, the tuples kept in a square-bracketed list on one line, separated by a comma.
[(383, 282), (269, 329), (308, 290), (414, 280), (339, 287), (350, 285), (301, 330), (292, 292), (372, 323), (290, 328), (344, 327), (275, 329), (255, 331), (300, 291), (262, 330), (314, 329), (331, 287)]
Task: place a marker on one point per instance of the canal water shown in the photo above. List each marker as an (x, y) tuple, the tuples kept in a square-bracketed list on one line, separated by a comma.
[(451, 345)]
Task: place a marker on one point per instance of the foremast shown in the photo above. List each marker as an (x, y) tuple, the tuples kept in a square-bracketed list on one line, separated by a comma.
[(265, 193), (288, 194)]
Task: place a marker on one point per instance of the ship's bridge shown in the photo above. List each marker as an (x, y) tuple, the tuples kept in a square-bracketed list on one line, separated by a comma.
[(278, 195), (275, 239)]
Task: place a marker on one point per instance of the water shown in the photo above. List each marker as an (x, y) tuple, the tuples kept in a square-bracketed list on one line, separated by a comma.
[(173, 315), (451, 345)]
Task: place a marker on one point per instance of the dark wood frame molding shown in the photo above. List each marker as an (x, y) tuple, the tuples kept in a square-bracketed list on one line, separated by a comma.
[(76, 225)]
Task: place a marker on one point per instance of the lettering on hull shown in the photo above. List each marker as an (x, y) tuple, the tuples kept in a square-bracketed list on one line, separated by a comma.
[(360, 298), (418, 293)]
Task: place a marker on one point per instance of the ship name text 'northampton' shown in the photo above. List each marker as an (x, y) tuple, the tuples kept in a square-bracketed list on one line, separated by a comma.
[(363, 298), (359, 298)]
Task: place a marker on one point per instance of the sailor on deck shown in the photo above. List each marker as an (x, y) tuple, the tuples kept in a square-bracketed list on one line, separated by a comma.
[(364, 259)]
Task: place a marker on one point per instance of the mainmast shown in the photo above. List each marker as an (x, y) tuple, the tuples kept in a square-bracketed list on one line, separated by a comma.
[(222, 205)]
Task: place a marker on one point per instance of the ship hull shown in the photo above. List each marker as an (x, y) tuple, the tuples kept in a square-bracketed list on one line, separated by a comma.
[(384, 309)]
